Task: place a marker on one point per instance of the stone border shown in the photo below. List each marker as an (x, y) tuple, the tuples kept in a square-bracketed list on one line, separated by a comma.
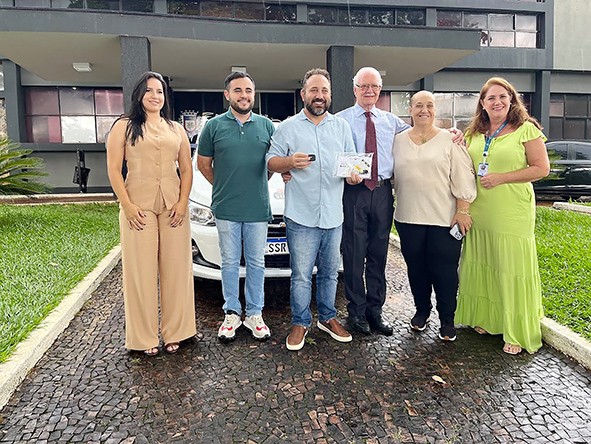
[(557, 336), (36, 199), (29, 351), (572, 207)]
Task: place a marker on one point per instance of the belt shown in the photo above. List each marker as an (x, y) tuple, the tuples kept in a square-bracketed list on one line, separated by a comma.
[(381, 183)]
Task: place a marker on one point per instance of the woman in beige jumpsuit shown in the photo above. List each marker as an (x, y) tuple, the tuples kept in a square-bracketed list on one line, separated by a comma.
[(155, 235)]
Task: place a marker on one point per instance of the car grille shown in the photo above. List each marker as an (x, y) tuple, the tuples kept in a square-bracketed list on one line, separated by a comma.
[(276, 229)]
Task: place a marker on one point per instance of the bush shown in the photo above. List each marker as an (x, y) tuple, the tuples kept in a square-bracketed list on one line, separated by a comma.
[(18, 173)]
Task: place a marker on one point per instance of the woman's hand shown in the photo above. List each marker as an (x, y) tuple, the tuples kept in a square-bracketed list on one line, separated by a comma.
[(135, 217), (463, 220), (491, 180), (178, 213)]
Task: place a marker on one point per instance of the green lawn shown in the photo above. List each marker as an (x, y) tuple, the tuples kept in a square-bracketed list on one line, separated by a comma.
[(565, 267), (46, 251)]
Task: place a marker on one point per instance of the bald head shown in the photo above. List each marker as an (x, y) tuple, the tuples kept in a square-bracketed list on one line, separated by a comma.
[(422, 96)]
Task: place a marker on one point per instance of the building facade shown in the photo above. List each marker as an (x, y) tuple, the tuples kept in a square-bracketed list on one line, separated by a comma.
[(67, 66)]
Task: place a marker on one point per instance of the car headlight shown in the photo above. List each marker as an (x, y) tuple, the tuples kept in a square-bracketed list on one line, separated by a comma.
[(200, 214)]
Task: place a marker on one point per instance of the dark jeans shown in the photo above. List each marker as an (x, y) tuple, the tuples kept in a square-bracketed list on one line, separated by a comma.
[(366, 231), (432, 256)]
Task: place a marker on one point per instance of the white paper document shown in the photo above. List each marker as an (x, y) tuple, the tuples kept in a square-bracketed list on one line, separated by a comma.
[(354, 162)]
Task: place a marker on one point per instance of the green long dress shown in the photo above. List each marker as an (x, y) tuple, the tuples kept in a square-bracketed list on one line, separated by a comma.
[(499, 279)]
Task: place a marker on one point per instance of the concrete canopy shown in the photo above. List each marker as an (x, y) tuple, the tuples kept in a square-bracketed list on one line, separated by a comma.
[(198, 53)]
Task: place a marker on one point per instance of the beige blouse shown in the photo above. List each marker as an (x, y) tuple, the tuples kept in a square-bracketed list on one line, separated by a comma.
[(152, 165), (428, 179)]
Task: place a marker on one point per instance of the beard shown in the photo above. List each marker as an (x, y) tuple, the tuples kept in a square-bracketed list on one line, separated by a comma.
[(236, 107), (317, 107)]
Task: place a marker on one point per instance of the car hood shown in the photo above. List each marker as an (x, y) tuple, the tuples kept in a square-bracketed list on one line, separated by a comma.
[(201, 191)]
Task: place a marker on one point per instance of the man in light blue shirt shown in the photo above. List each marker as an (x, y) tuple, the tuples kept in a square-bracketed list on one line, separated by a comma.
[(307, 145), (369, 208)]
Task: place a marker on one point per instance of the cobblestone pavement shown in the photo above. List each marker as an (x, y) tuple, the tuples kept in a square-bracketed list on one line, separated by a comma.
[(374, 390)]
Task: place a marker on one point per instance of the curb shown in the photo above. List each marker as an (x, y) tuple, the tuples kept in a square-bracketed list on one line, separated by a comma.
[(29, 351), (37, 199), (568, 342), (554, 334), (572, 207)]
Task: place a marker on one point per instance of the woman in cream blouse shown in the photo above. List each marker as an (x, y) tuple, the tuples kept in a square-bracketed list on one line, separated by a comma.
[(434, 184)]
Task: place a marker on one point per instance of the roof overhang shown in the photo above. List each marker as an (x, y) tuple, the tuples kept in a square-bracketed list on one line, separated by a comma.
[(198, 53)]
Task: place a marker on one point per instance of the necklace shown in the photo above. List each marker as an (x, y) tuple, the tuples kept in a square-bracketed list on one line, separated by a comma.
[(424, 138)]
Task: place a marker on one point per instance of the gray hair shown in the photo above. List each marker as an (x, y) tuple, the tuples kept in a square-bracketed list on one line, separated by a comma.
[(363, 71)]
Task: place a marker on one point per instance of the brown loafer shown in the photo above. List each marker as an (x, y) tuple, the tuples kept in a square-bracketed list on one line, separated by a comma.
[(296, 338), (335, 330)]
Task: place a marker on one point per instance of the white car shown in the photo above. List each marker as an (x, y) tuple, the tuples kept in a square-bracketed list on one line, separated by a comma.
[(204, 236)]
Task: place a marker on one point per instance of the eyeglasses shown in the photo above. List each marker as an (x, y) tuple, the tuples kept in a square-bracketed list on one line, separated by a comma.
[(367, 86)]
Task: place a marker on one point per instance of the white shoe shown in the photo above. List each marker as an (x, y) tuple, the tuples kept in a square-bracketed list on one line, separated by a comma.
[(227, 331), (257, 327)]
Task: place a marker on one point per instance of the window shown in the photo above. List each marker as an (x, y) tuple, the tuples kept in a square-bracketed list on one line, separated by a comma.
[(353, 16), (322, 15), (71, 115), (217, 9), (498, 30), (570, 116), (361, 16), (32, 3), (400, 104), (3, 132), (280, 13), (410, 17), (106, 5), (250, 11), (381, 17), (237, 10)]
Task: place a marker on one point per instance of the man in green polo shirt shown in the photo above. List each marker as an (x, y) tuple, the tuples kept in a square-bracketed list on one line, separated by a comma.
[(231, 156)]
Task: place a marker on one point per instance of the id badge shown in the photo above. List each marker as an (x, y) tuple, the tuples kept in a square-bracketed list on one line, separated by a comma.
[(482, 169)]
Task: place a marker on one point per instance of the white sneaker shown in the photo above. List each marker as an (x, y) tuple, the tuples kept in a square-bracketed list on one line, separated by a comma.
[(227, 331), (257, 327)]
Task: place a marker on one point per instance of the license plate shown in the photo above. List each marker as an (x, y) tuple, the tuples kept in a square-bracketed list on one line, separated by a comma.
[(276, 245)]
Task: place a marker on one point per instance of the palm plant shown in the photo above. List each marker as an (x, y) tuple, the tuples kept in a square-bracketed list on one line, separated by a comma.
[(18, 173)]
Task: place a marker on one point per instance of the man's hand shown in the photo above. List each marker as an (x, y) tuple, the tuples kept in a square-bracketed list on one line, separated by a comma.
[(300, 161), (354, 179), (286, 177)]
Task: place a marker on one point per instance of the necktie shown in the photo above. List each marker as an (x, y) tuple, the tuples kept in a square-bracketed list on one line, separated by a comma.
[(371, 146)]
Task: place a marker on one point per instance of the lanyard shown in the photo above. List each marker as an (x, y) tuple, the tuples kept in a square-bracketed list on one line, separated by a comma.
[(488, 140)]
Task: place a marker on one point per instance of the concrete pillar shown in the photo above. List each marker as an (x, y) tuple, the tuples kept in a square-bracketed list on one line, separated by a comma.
[(427, 83), (135, 60), (160, 7), (301, 13), (14, 102), (541, 99), (340, 65)]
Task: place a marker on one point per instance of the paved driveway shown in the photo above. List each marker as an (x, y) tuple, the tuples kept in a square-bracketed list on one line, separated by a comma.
[(374, 390)]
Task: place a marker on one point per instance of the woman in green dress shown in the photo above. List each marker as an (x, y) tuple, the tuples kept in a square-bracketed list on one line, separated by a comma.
[(500, 290)]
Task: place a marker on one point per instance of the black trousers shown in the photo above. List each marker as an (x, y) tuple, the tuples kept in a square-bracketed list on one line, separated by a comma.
[(366, 231), (432, 256)]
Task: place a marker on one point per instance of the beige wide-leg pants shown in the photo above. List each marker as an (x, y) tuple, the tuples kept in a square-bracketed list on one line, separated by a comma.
[(157, 251)]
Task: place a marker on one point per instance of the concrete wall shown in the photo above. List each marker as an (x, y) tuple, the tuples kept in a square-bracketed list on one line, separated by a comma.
[(572, 44)]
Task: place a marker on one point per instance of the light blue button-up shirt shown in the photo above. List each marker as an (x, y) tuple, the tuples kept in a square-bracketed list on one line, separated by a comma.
[(313, 196), (387, 126)]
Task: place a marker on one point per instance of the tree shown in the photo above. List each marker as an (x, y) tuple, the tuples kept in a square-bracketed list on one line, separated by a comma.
[(18, 173)]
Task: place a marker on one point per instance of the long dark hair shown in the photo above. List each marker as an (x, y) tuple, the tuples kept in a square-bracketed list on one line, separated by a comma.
[(137, 114), (517, 115)]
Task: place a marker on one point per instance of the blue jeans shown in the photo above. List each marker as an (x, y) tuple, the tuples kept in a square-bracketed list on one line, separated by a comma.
[(231, 237), (309, 246)]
